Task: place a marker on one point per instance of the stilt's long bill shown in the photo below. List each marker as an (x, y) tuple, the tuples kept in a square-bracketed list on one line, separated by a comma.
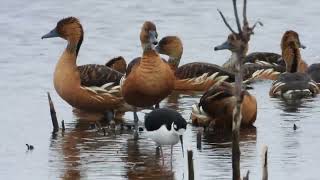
[(165, 127)]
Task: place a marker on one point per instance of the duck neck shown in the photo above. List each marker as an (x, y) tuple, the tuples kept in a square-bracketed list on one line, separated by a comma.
[(292, 56), (174, 62), (73, 46), (149, 58)]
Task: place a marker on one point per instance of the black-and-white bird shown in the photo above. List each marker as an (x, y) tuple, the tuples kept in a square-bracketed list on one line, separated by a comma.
[(165, 127)]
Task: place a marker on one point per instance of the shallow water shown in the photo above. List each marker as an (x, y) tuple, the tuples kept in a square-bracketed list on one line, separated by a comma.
[(111, 29)]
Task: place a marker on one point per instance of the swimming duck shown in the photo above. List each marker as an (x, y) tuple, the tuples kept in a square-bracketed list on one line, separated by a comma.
[(148, 79), (67, 76), (216, 107), (292, 83)]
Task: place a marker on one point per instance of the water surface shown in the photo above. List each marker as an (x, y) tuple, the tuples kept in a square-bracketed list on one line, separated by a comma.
[(112, 29)]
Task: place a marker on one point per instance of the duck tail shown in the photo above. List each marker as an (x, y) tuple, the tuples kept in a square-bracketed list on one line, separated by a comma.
[(200, 83), (263, 74)]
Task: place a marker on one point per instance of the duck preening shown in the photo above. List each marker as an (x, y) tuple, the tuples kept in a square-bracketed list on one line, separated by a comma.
[(165, 127), (216, 108), (293, 83), (85, 87)]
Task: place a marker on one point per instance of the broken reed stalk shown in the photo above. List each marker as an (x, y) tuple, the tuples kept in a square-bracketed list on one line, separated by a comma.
[(190, 165), (53, 114), (243, 37), (247, 176), (265, 163)]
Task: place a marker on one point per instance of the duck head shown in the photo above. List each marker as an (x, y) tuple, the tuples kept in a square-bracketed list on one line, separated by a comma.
[(290, 36), (290, 44), (172, 47), (148, 36), (69, 29), (234, 44)]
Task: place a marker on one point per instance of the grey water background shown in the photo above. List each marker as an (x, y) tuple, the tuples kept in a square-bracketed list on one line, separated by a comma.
[(111, 29)]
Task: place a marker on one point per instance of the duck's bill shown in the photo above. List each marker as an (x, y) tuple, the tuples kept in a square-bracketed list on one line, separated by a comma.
[(53, 33), (225, 45), (181, 141), (302, 46), (153, 38)]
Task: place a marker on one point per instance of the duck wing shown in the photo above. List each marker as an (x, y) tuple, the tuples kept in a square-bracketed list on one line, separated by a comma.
[(196, 69), (98, 75)]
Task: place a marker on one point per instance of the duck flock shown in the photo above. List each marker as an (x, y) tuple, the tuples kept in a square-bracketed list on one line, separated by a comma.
[(142, 84)]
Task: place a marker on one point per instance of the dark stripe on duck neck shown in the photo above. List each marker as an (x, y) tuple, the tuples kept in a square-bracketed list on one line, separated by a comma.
[(295, 57), (75, 46), (79, 44)]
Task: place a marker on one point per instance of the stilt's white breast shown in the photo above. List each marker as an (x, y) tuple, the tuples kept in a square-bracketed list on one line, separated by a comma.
[(163, 136)]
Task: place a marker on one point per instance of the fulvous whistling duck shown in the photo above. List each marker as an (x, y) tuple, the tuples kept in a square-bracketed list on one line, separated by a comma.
[(249, 68), (197, 76), (275, 59), (149, 79), (118, 63), (292, 83), (71, 81), (216, 108)]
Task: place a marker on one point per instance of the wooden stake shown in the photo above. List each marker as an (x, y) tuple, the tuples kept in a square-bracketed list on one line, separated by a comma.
[(199, 140), (62, 124), (53, 115), (190, 165)]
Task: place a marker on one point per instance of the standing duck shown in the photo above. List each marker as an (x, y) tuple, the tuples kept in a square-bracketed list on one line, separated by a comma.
[(148, 79), (203, 75), (71, 82), (216, 107), (293, 83), (249, 69)]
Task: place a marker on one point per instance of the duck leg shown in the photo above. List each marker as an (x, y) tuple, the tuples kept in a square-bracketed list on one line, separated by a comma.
[(136, 125), (161, 152), (171, 155), (109, 116)]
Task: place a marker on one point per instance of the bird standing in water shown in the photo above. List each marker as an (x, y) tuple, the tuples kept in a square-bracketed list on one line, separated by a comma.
[(165, 127)]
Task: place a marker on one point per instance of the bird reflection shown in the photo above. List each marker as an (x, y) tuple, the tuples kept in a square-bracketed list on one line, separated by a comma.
[(145, 162), (293, 105), (223, 140)]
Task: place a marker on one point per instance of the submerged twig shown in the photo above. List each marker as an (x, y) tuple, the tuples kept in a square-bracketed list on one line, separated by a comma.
[(265, 163), (53, 114)]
